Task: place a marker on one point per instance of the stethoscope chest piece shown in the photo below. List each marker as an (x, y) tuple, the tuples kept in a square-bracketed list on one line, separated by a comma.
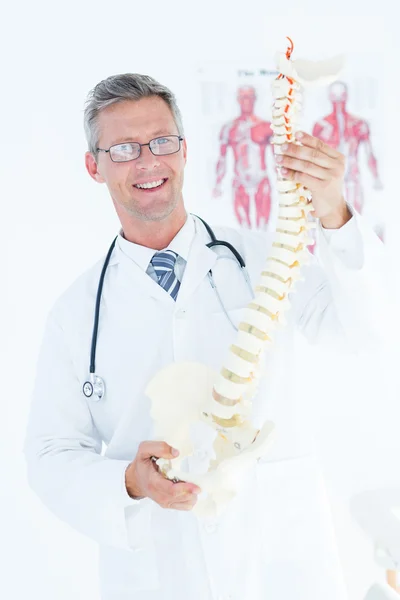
[(95, 388)]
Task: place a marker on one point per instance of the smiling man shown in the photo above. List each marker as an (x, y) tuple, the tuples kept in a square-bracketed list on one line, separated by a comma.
[(156, 307), (141, 157)]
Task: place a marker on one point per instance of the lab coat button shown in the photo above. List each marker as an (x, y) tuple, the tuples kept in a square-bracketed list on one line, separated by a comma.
[(181, 313)]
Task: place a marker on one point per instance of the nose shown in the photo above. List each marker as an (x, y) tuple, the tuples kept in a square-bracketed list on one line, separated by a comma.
[(147, 160)]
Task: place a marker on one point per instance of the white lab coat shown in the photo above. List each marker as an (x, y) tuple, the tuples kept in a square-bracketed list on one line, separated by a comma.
[(275, 540)]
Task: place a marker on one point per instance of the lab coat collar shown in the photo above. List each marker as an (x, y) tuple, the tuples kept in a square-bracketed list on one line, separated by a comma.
[(142, 255), (200, 260), (190, 243)]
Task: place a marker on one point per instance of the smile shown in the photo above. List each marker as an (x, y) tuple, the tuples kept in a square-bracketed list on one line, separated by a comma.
[(153, 185)]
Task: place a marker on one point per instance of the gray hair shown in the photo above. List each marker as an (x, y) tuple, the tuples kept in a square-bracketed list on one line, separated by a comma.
[(117, 88)]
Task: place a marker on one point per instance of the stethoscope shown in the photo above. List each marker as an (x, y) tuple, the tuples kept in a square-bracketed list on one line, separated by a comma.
[(95, 386)]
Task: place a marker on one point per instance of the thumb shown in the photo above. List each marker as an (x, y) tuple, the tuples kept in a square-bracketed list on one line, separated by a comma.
[(158, 449)]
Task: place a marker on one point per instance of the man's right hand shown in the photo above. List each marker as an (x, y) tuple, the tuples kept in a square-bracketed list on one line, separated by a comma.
[(143, 479)]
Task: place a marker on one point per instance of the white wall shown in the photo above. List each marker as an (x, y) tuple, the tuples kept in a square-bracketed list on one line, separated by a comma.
[(55, 221)]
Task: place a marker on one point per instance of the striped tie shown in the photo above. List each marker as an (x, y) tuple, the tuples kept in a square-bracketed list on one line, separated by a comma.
[(164, 263)]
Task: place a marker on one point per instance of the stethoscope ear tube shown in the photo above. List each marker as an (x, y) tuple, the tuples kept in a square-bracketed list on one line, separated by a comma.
[(235, 253)]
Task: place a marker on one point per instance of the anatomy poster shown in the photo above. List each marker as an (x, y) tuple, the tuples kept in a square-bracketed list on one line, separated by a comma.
[(236, 132)]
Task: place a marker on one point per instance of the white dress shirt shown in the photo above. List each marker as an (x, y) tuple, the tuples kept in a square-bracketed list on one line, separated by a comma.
[(180, 244)]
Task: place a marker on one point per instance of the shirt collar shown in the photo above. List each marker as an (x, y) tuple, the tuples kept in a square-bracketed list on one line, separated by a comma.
[(142, 255)]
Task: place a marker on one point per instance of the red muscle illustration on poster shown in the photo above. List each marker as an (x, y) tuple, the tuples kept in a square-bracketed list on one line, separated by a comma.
[(248, 136), (235, 132), (349, 133)]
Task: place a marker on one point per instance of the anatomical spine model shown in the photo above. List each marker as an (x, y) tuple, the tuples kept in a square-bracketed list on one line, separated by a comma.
[(189, 395)]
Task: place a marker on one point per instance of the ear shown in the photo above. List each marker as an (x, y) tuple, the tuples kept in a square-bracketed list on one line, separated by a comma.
[(92, 168), (184, 146)]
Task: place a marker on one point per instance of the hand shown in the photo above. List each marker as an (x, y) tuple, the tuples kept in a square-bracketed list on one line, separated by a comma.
[(143, 479), (321, 169)]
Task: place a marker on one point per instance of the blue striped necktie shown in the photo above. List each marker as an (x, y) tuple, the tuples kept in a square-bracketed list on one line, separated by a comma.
[(163, 264)]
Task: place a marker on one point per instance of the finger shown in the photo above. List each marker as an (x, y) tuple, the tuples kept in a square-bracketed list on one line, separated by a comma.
[(313, 142), (185, 502), (162, 485), (302, 166), (308, 181), (307, 154), (188, 505), (176, 488), (185, 487), (168, 501), (158, 449)]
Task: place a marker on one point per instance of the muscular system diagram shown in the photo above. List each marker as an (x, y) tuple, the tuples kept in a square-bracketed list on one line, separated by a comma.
[(349, 134), (248, 137)]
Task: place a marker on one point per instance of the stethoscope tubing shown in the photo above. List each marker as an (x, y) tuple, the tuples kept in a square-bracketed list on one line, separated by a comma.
[(96, 383)]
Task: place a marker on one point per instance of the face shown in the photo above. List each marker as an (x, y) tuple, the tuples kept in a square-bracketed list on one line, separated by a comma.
[(139, 121), (246, 97)]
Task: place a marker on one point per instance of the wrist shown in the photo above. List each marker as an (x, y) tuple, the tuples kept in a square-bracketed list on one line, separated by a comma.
[(131, 488), (337, 218)]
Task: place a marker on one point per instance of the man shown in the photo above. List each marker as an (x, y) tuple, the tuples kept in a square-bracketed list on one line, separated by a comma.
[(275, 539), (248, 135)]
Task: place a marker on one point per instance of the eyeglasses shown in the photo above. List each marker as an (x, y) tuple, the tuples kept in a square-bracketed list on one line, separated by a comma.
[(160, 146)]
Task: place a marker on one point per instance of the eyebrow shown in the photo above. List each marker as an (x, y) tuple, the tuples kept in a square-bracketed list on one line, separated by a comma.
[(132, 139)]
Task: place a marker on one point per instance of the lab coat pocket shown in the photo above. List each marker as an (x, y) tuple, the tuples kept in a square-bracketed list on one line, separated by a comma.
[(123, 571)]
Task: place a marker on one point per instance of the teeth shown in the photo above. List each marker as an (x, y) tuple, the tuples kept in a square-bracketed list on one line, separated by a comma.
[(147, 186)]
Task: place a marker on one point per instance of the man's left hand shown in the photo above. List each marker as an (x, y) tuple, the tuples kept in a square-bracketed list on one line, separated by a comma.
[(320, 169)]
